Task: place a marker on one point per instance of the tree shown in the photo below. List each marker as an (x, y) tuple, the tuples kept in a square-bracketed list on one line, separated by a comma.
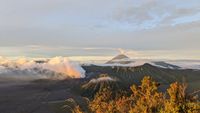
[(179, 101), (77, 109), (101, 102), (146, 97)]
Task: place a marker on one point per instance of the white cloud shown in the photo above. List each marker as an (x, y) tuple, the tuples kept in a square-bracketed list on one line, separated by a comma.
[(157, 12), (102, 79), (52, 68)]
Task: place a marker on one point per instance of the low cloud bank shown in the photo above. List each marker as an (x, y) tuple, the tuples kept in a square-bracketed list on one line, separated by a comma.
[(53, 68), (101, 79)]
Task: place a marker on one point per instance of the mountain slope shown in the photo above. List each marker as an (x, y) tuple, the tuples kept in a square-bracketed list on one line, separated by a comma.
[(130, 75), (90, 88)]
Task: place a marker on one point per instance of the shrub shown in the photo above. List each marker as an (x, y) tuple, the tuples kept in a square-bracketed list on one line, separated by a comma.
[(144, 99)]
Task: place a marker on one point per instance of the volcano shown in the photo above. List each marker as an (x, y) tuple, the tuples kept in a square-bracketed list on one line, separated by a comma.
[(120, 59)]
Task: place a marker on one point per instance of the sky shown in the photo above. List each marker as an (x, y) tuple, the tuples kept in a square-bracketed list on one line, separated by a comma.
[(96, 29)]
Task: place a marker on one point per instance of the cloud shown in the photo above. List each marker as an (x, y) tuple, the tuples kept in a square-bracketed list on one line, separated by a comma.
[(102, 79), (52, 68), (164, 54), (153, 13)]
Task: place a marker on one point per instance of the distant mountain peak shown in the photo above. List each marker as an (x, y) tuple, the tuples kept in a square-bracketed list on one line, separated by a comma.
[(120, 56), (120, 59)]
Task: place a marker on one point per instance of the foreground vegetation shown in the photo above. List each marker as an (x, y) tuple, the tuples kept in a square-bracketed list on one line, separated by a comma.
[(144, 98)]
